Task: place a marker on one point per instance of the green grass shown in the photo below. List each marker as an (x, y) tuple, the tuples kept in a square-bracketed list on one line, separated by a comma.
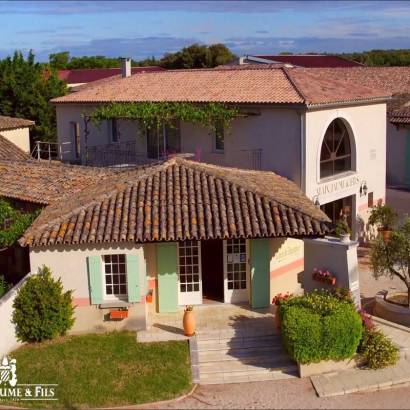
[(105, 370)]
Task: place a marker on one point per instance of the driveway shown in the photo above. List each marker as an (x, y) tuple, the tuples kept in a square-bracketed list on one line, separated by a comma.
[(285, 394)]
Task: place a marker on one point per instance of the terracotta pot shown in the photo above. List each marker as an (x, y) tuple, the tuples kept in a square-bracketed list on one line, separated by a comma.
[(333, 281), (189, 323), (386, 233), (148, 298)]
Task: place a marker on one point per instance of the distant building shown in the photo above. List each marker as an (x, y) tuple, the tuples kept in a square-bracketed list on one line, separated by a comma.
[(81, 76), (306, 60), (17, 131)]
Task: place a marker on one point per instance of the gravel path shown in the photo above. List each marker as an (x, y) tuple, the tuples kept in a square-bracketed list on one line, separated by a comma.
[(285, 394)]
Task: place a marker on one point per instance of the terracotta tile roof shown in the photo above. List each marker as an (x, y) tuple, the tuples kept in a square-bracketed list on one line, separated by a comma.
[(44, 182), (10, 151), (11, 123), (399, 109), (400, 116), (314, 60), (86, 75), (264, 84), (179, 200)]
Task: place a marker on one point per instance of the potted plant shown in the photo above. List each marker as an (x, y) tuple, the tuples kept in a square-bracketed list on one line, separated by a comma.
[(343, 231), (324, 276), (189, 321), (384, 217), (148, 296)]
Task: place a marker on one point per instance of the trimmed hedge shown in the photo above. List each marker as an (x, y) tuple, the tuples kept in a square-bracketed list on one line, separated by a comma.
[(320, 326)]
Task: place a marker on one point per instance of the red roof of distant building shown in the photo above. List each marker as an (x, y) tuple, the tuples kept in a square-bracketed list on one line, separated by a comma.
[(313, 60), (86, 75)]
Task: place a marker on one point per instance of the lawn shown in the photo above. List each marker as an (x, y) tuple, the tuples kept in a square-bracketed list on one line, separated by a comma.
[(105, 370)]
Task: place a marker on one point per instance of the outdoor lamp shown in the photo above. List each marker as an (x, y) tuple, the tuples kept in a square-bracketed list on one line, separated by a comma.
[(316, 202), (363, 188)]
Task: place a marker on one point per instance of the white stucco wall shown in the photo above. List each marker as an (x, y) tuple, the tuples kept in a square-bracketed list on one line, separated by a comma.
[(70, 264), (19, 137), (397, 140), (274, 131), (367, 124)]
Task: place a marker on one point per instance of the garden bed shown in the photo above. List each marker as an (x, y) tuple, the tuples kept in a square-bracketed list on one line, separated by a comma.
[(387, 307), (105, 370)]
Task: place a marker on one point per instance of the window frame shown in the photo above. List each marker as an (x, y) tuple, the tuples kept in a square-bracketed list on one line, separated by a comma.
[(164, 130), (219, 129), (333, 157), (114, 296), (76, 137), (114, 129)]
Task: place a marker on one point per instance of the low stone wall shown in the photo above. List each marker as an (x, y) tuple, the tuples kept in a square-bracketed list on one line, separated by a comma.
[(391, 311), (8, 339), (326, 366)]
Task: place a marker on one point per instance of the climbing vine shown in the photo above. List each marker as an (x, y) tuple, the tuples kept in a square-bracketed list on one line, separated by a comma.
[(13, 223), (154, 114)]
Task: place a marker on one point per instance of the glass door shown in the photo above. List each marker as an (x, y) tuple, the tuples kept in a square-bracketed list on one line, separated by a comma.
[(189, 273), (236, 278)]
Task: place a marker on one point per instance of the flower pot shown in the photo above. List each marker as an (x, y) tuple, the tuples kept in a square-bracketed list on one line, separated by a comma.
[(189, 323), (386, 233), (148, 298), (345, 238), (332, 281)]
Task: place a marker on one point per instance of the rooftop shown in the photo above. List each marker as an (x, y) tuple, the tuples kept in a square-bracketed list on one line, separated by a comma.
[(10, 151), (252, 85), (179, 200), (312, 60), (43, 182), (11, 123), (86, 75)]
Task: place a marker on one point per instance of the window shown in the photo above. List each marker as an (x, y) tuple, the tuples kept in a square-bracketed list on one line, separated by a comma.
[(163, 141), (189, 275), (76, 137), (115, 274), (219, 138), (335, 155), (370, 200), (236, 263), (114, 133)]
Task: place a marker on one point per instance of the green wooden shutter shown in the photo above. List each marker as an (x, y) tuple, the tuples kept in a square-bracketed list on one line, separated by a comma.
[(260, 271), (167, 277), (133, 279), (95, 279)]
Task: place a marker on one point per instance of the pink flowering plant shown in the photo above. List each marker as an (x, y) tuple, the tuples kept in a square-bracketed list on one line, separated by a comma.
[(281, 297), (322, 275)]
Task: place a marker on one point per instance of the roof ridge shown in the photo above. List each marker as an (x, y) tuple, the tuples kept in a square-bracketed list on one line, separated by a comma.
[(294, 85)]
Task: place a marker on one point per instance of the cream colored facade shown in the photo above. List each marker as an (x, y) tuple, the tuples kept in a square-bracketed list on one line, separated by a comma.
[(19, 137)]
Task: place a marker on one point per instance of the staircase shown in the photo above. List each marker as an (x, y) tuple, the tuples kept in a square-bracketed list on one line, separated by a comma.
[(239, 355)]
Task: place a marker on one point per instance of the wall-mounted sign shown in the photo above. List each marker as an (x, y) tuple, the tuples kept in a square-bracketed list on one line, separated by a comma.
[(338, 186)]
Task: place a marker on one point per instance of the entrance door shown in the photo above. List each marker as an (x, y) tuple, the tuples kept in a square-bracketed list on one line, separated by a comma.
[(189, 273), (212, 269), (236, 271), (339, 209)]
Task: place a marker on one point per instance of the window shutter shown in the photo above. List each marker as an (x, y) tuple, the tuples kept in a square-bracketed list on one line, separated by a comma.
[(133, 279), (167, 277), (95, 275)]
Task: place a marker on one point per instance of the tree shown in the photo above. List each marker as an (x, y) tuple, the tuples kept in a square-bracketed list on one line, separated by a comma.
[(391, 257), (42, 310), (59, 61), (26, 88)]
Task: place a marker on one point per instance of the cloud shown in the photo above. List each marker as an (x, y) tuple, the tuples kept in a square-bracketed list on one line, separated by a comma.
[(261, 31)]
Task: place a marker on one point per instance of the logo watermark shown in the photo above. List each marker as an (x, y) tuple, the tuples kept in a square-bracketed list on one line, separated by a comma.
[(11, 390)]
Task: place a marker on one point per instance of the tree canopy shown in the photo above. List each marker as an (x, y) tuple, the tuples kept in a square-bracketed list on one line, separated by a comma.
[(26, 88), (193, 56), (381, 57)]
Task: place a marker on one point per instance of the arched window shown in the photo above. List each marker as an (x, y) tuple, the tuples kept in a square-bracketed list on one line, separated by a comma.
[(336, 153)]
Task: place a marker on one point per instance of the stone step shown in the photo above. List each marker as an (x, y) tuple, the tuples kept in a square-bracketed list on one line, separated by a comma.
[(248, 364), (249, 331), (237, 342), (248, 376), (239, 353)]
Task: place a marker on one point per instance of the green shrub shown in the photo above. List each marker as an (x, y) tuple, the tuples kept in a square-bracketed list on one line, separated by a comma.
[(378, 350), (42, 310), (320, 326), (4, 286)]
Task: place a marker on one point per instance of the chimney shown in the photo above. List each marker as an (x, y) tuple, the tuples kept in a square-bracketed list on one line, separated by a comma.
[(126, 67)]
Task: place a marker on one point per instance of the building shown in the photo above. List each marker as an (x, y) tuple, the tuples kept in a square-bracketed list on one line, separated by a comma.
[(80, 76), (326, 134), (17, 131), (182, 231), (302, 60)]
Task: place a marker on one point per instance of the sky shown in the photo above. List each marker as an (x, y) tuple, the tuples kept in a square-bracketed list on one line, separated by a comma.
[(141, 29)]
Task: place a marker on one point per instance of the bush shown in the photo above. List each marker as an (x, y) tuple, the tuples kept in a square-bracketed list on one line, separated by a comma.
[(42, 310), (378, 350), (320, 326)]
